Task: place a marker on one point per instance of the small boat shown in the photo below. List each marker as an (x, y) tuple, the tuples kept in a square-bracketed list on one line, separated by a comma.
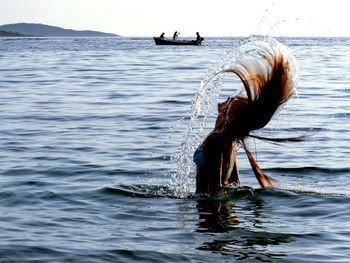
[(164, 41)]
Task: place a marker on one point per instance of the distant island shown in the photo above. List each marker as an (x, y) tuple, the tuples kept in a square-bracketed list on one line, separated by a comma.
[(4, 33), (40, 30)]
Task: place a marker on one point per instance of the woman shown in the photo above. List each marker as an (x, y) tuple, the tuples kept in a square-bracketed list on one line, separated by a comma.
[(216, 157), (176, 34), (267, 76)]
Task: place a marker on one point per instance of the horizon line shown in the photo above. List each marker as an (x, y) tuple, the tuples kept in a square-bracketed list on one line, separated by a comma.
[(186, 36)]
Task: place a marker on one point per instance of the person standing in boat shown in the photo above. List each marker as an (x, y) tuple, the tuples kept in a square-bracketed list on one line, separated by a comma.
[(199, 39), (176, 34), (162, 35)]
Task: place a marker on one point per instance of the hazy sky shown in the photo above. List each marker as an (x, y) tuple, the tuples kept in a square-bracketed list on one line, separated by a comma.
[(210, 18)]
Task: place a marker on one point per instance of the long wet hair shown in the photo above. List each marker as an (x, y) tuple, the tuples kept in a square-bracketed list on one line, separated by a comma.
[(269, 73), (268, 77)]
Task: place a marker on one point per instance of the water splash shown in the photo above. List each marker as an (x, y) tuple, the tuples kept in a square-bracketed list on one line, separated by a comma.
[(315, 26), (264, 16), (201, 106), (208, 94), (274, 22)]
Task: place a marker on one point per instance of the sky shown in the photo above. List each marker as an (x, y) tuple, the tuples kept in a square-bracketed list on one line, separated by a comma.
[(210, 18)]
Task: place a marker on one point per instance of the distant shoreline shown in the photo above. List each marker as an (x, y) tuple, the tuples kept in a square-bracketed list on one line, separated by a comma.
[(4, 33), (41, 30), (45, 37)]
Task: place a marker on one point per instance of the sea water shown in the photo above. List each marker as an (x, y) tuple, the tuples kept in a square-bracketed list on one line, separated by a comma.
[(91, 139)]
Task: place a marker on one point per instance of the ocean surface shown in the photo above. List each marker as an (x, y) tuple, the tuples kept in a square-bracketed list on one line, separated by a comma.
[(91, 134)]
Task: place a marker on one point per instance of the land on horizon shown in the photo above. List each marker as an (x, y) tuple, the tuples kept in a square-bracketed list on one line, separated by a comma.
[(41, 30)]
